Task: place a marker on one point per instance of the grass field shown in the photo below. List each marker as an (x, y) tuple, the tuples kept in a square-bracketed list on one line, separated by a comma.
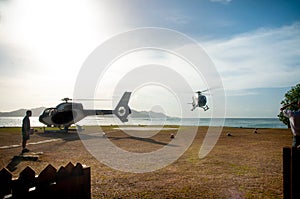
[(244, 165)]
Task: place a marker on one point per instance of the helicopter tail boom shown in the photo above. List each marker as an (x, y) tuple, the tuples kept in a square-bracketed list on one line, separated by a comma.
[(122, 110), (97, 112)]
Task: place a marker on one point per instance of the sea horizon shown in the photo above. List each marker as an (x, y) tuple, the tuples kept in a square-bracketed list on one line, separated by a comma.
[(249, 122)]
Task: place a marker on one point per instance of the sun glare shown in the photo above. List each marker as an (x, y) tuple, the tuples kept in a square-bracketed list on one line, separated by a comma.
[(49, 40), (60, 34)]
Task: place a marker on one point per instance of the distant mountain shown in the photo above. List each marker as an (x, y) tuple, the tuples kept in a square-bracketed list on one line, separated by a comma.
[(21, 112), (146, 114), (37, 111)]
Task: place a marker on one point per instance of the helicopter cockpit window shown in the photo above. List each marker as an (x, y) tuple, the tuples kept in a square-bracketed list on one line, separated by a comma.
[(52, 111), (46, 112), (64, 107), (49, 112), (68, 106)]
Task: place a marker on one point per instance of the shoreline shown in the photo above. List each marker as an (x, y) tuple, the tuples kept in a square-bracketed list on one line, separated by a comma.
[(150, 126), (104, 121)]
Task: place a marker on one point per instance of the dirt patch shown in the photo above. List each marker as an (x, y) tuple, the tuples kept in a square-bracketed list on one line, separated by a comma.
[(243, 165)]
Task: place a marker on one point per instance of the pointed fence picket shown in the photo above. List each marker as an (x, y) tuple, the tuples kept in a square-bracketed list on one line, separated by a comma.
[(68, 182), (291, 173)]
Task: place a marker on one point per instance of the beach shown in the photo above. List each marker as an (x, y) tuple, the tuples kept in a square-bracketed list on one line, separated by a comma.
[(243, 165)]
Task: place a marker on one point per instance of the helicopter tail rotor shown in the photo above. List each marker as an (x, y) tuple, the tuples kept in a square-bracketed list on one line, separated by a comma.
[(122, 110)]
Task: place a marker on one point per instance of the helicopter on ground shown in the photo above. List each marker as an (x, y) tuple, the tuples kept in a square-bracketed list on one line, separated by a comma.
[(199, 101), (67, 113)]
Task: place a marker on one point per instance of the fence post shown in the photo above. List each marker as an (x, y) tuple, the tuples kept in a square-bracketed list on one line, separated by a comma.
[(44, 183), (69, 182), (287, 173), (21, 186), (5, 182), (87, 180), (295, 173)]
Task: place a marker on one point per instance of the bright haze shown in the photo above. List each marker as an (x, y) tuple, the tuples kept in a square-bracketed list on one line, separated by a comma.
[(253, 44)]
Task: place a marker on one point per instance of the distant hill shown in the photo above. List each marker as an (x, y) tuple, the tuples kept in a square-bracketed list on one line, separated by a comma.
[(37, 111), (146, 114), (21, 112)]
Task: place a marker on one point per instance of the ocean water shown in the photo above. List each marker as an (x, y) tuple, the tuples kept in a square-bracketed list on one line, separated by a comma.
[(230, 122)]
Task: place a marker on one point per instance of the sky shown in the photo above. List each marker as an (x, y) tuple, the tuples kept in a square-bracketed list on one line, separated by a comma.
[(254, 45)]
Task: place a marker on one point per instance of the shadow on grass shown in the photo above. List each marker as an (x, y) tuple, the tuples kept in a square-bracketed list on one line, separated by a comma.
[(12, 165), (70, 136), (152, 141), (74, 135)]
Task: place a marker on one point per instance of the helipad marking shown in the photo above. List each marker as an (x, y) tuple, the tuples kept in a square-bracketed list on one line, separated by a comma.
[(31, 143)]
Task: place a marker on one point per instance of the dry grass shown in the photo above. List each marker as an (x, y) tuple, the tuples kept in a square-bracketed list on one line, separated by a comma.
[(244, 165)]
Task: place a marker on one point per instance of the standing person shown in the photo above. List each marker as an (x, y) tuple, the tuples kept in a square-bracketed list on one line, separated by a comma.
[(26, 131), (294, 117)]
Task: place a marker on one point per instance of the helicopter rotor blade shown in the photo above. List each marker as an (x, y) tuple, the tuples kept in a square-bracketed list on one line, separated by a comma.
[(209, 89), (92, 99), (86, 99), (206, 90)]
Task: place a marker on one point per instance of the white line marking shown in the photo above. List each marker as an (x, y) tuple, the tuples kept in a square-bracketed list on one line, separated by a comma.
[(31, 143)]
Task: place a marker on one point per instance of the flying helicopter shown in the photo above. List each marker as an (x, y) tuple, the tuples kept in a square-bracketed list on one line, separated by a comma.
[(199, 101), (67, 113)]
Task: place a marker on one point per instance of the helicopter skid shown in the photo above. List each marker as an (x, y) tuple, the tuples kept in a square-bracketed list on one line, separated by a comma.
[(205, 108)]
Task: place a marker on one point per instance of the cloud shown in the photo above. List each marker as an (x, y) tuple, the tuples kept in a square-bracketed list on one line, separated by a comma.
[(258, 59)]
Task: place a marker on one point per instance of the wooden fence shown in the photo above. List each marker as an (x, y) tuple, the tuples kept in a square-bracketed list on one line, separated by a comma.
[(291, 173), (68, 182)]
